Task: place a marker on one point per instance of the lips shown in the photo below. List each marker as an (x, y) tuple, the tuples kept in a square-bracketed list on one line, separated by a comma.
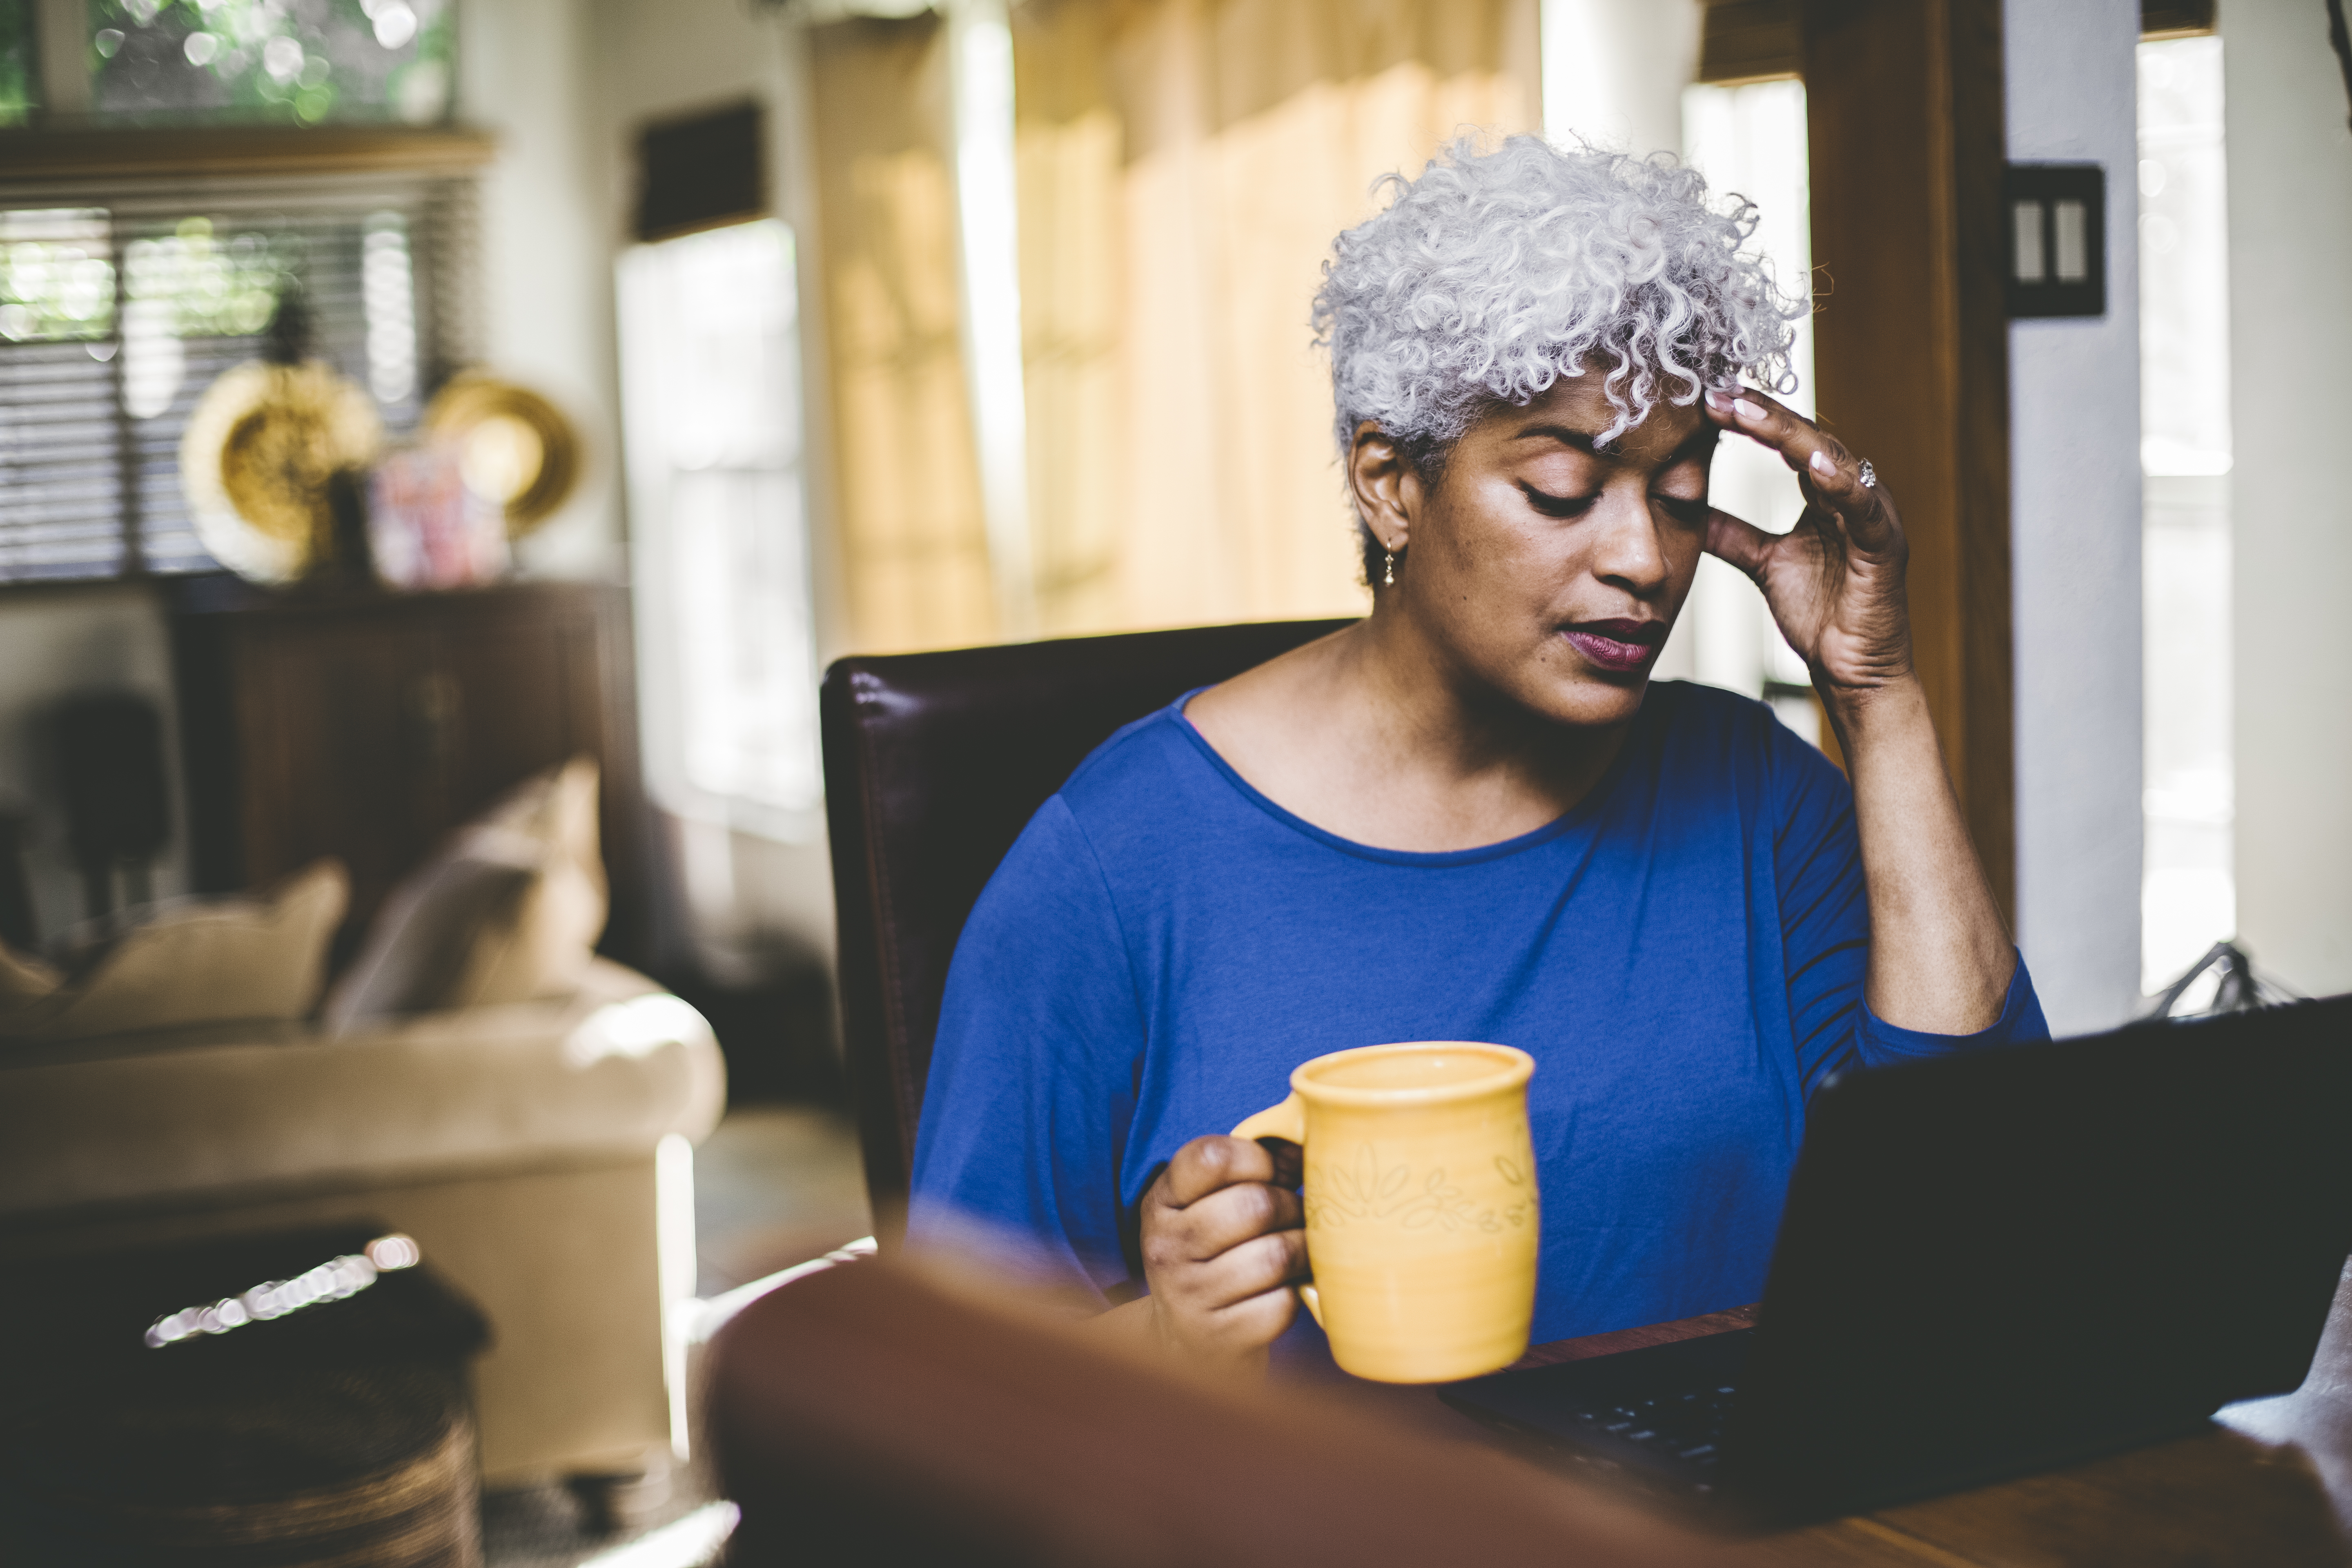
[(1617, 645)]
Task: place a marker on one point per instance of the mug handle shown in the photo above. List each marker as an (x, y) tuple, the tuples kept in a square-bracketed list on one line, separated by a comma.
[(1286, 1121)]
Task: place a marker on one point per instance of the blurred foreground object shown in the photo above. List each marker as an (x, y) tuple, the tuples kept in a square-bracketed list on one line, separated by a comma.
[(538, 1153), (312, 1411), (514, 449), (871, 1413), (261, 463)]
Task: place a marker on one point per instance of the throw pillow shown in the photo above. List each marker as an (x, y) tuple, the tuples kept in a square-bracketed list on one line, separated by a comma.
[(188, 961), (509, 909)]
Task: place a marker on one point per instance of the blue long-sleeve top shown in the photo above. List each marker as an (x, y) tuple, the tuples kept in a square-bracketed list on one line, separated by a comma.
[(1682, 954)]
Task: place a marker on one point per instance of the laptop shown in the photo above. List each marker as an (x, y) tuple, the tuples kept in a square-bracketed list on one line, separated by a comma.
[(1994, 1263)]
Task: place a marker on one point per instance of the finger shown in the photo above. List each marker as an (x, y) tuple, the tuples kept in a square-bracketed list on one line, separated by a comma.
[(1772, 423), (1210, 1163), (1833, 481), (1289, 1161), (1256, 1321), (1261, 1264), (1231, 1217), (1830, 476), (1739, 543)]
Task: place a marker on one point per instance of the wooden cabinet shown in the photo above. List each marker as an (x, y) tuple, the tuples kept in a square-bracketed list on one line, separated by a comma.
[(368, 726)]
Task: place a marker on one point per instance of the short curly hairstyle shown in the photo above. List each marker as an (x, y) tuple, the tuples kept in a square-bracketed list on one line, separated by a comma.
[(1496, 272)]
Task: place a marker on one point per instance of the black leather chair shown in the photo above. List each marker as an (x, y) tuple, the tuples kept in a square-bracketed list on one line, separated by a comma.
[(933, 764)]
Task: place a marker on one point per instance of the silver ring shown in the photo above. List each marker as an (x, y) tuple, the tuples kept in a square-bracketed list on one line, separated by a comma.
[(1869, 476)]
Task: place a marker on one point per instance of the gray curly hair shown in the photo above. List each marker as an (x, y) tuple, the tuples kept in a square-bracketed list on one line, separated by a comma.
[(1495, 273)]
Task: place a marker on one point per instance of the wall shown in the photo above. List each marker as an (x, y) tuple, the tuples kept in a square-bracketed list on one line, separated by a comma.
[(2290, 158), (546, 316), (2075, 518), (58, 643)]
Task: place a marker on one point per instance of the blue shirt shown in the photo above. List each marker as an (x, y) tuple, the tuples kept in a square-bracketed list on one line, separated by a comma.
[(1682, 954)]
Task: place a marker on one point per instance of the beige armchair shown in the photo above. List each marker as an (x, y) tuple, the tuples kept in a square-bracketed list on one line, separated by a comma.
[(540, 1154)]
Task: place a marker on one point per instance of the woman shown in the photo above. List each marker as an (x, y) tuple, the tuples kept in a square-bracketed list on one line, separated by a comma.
[(1471, 815)]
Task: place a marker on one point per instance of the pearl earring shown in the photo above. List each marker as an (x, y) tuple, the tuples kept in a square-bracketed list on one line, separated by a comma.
[(1388, 569)]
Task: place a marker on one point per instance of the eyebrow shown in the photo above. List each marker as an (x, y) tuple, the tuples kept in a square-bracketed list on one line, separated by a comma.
[(1580, 440), (1703, 440)]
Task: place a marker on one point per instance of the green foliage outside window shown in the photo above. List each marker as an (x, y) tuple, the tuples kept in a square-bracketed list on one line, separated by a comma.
[(300, 60), (224, 286), (16, 61), (58, 282), (57, 277)]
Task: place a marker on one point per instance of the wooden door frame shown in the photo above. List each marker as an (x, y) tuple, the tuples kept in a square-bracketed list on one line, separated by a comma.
[(1908, 144)]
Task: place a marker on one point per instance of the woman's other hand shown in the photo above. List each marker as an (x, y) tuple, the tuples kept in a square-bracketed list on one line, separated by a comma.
[(1834, 582), (1221, 1243)]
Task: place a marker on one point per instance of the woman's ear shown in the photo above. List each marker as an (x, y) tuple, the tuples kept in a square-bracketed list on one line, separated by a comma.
[(1386, 489)]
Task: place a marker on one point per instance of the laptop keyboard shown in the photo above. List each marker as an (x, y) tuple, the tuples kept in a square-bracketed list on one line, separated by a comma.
[(1655, 1416), (1684, 1429)]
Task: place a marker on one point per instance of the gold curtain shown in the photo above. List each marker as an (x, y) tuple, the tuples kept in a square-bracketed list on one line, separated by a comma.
[(1182, 168), (912, 536)]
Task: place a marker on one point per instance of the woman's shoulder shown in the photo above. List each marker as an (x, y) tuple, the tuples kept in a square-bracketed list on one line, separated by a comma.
[(1143, 767), (1131, 813), (1151, 787)]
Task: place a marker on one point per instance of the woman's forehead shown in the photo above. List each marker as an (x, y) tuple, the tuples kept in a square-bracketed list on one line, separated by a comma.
[(1575, 412)]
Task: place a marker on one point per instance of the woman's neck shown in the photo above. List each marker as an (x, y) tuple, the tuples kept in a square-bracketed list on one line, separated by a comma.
[(1377, 734)]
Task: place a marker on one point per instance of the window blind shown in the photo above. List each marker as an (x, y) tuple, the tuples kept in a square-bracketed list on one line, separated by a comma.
[(117, 309)]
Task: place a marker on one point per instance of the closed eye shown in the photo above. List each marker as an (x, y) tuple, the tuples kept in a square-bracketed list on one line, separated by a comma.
[(1551, 505), (1689, 512)]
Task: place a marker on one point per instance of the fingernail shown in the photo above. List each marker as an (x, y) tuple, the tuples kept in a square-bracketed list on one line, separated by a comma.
[(1824, 464), (1717, 398), (1749, 410)]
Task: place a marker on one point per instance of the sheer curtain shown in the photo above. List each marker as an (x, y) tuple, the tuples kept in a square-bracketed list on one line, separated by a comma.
[(1182, 167), (906, 509)]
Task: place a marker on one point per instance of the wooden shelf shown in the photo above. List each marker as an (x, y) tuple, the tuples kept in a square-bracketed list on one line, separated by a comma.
[(81, 155)]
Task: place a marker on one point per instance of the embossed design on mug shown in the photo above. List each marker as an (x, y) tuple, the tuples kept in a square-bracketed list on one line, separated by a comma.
[(1337, 1194), (1367, 1191)]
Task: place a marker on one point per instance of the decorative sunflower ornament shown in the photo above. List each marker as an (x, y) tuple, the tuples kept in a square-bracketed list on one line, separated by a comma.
[(515, 448), (260, 453)]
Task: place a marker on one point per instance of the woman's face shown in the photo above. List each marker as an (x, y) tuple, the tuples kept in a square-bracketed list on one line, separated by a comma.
[(1549, 567)]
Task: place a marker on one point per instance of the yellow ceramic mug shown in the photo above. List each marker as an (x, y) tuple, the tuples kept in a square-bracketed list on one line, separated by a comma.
[(1421, 1205)]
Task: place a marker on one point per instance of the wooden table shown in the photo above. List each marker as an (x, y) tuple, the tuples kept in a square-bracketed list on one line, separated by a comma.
[(2271, 1486)]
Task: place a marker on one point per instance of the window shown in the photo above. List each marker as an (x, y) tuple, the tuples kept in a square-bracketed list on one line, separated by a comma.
[(177, 61), (710, 404), (116, 314), (2188, 892), (15, 61), (1751, 138), (262, 59)]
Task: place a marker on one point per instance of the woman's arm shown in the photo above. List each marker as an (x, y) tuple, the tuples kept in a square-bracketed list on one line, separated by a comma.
[(1940, 958)]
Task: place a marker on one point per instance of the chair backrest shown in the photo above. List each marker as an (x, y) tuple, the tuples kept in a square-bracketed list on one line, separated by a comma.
[(933, 764)]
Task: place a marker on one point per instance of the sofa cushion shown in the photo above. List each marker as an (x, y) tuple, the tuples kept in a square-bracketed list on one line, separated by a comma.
[(190, 960), (508, 910), (603, 1075)]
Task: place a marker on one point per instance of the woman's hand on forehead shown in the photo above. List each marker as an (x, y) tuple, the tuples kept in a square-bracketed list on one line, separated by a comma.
[(1834, 582)]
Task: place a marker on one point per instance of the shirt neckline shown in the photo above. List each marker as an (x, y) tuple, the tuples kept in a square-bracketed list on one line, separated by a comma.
[(1534, 837)]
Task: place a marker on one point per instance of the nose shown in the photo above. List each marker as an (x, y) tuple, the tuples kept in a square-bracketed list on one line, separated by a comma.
[(1627, 552)]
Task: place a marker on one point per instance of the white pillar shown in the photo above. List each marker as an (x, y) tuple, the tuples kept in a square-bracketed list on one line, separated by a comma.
[(2290, 159), (2074, 529)]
